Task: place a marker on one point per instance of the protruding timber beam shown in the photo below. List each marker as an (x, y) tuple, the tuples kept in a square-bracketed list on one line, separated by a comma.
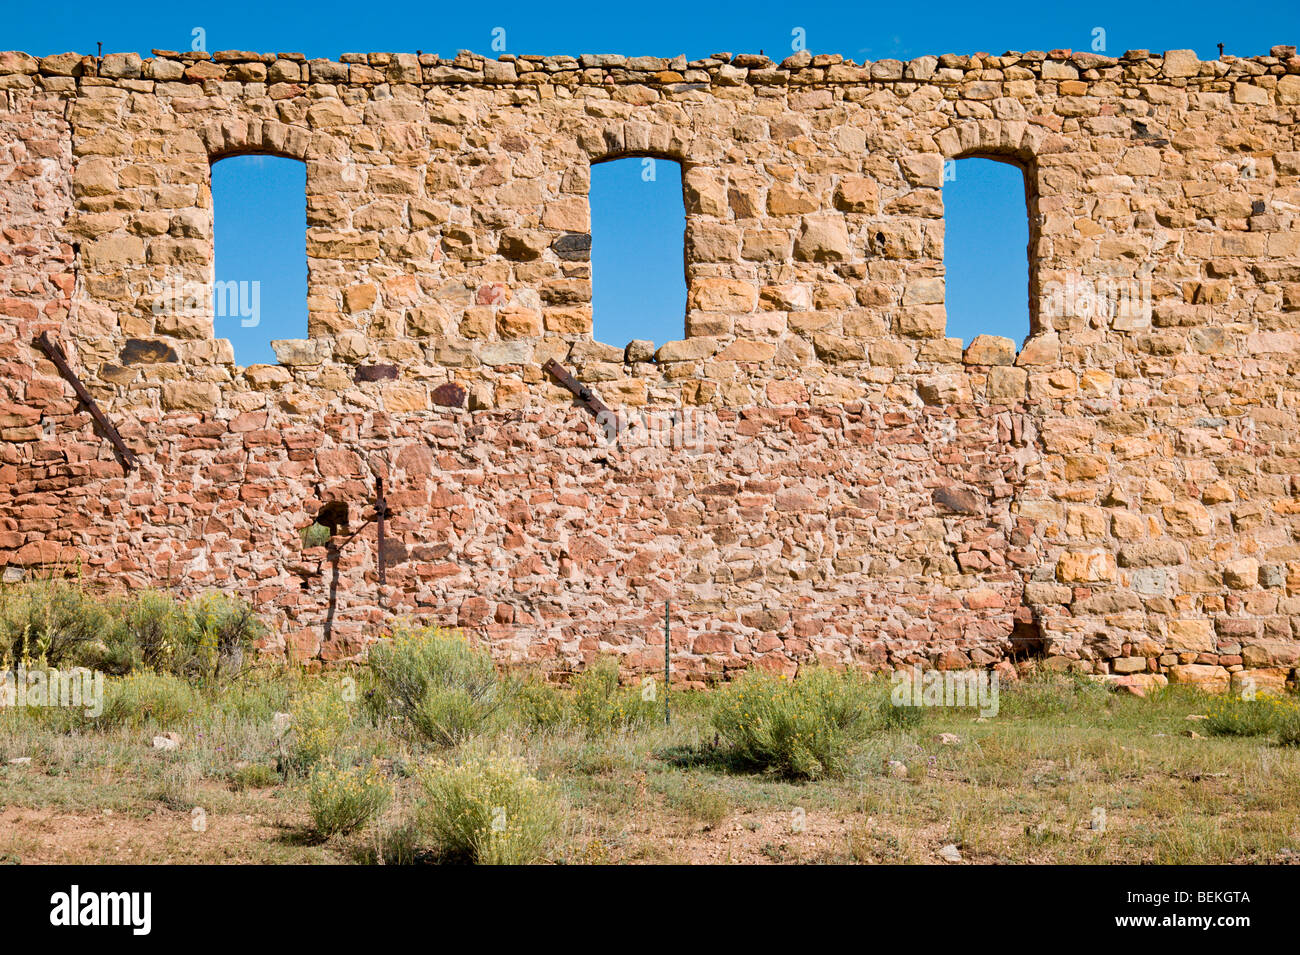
[(55, 353), (606, 418)]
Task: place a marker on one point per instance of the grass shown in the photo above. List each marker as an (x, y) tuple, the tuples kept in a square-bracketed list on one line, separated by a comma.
[(1265, 715), (1026, 786)]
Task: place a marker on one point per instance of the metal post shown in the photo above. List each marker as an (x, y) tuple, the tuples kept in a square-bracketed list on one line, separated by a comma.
[(667, 665), (379, 516)]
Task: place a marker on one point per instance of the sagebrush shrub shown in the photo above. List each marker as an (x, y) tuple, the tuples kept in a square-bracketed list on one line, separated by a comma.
[(538, 704), (149, 634), (804, 728), (318, 720), (222, 631), (57, 624), (436, 684), (487, 810), (344, 800), (52, 623), (142, 698), (600, 704)]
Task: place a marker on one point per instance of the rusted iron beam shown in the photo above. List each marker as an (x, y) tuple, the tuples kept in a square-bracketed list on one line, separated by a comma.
[(55, 353), (606, 418)]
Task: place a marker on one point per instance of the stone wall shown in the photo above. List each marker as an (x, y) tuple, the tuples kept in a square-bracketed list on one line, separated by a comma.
[(1120, 494)]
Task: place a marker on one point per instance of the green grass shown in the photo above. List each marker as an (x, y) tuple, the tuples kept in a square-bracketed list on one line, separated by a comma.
[(1023, 787)]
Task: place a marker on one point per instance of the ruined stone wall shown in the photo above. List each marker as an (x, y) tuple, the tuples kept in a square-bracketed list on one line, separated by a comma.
[(1118, 493)]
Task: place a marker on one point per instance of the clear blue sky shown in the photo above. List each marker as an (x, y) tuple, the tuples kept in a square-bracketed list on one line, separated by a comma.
[(981, 271), (986, 250), (637, 226), (260, 223)]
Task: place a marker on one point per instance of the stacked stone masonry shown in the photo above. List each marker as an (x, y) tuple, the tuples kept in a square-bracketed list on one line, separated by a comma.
[(1120, 494)]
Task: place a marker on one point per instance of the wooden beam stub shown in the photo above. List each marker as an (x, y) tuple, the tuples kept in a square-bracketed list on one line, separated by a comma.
[(606, 418), (55, 353)]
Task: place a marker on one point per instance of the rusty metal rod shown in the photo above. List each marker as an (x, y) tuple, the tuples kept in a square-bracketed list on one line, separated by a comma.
[(55, 353), (351, 537), (380, 508)]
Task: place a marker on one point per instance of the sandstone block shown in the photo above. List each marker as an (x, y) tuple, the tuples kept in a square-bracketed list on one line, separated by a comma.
[(857, 194), (1095, 566), (1179, 63), (1191, 635), (990, 350), (822, 239), (722, 295), (1211, 679), (189, 396)]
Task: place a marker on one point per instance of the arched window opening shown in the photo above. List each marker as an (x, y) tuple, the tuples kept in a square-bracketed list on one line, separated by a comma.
[(987, 252), (638, 231), (259, 294)]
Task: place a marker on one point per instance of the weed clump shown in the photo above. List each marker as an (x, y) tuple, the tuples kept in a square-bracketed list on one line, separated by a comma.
[(804, 728), (487, 810), (1230, 715), (436, 685)]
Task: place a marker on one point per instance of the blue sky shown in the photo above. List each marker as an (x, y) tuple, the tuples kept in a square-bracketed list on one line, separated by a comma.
[(639, 284), (260, 222), (986, 250), (637, 226)]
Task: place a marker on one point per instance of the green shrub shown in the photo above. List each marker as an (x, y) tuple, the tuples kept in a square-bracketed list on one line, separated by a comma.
[(344, 800), (891, 716), (538, 704), (221, 634), (801, 729), (315, 535), (149, 634), (148, 698), (53, 623), (317, 722), (487, 810), (434, 683), (1043, 692), (600, 704), (57, 624), (260, 694), (1229, 715), (254, 776), (1288, 726)]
